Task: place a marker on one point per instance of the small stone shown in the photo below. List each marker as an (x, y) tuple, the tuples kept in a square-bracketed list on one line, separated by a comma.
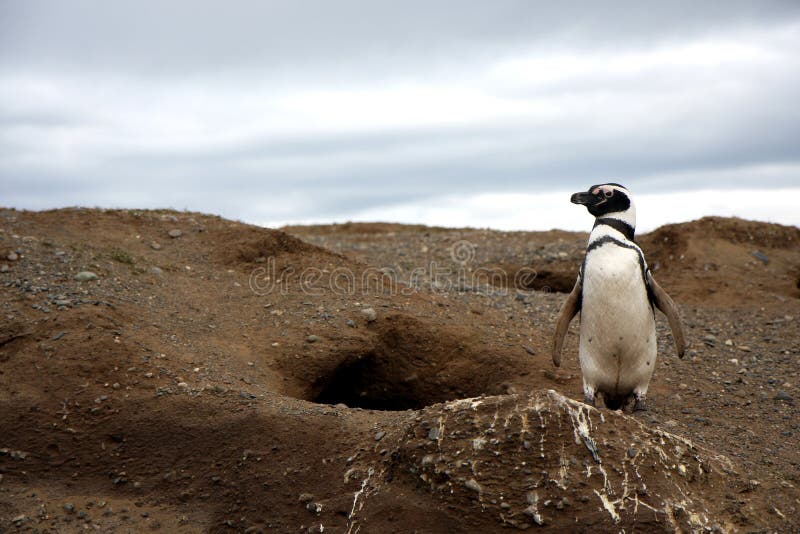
[(62, 302), (12, 256), (314, 507), (175, 233), (379, 435), (433, 433), (83, 514), (472, 485), (312, 338), (18, 520), (155, 246), (781, 395), (729, 342), (505, 505), (370, 314), (631, 452), (351, 323), (183, 385), (760, 256), (534, 514), (306, 497), (85, 276), (69, 508), (156, 270), (3, 268)]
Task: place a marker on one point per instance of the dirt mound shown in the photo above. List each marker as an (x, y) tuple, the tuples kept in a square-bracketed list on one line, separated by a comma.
[(671, 241), (358, 228), (545, 460), (251, 245), (725, 260)]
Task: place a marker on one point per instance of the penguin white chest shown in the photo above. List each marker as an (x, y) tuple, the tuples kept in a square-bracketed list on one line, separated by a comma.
[(617, 333)]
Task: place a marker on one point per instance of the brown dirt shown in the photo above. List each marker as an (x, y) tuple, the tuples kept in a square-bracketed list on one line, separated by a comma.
[(244, 385)]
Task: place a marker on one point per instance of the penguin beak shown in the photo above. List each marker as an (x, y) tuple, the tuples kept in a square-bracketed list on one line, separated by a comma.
[(583, 198)]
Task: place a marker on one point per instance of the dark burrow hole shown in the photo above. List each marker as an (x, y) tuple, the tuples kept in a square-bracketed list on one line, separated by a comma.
[(379, 382), (408, 365)]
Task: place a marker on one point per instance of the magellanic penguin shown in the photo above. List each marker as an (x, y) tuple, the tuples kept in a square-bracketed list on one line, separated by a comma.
[(616, 296)]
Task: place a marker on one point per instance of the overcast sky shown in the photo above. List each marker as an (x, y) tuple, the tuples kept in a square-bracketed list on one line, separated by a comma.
[(441, 112)]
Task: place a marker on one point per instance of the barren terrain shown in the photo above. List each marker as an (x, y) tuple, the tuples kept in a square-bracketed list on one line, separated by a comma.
[(219, 377)]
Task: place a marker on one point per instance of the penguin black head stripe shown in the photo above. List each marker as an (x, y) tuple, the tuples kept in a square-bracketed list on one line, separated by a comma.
[(612, 205), (616, 296), (604, 199)]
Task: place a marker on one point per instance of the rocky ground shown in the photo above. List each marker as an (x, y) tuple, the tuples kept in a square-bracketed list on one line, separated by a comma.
[(178, 372)]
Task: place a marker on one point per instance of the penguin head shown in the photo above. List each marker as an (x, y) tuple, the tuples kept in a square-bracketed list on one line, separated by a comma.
[(604, 199)]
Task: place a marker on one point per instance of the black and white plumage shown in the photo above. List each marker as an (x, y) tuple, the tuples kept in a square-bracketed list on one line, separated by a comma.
[(616, 296)]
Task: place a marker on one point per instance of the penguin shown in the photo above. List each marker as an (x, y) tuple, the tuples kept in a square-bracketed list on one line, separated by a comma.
[(616, 295)]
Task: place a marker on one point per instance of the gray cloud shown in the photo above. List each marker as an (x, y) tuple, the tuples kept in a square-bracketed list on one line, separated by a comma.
[(321, 110)]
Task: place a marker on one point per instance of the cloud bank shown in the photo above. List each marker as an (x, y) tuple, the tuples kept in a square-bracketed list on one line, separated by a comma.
[(275, 112)]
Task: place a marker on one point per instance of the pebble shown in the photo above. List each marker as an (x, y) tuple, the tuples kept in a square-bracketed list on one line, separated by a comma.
[(12, 256), (312, 338), (3, 268), (155, 246), (379, 435), (473, 485), (175, 233), (86, 276), (370, 314), (314, 507), (781, 395), (433, 433), (760, 256), (69, 508), (351, 323), (156, 270), (306, 497)]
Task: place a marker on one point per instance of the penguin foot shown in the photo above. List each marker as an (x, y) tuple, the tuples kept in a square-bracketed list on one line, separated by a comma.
[(640, 405), (588, 398)]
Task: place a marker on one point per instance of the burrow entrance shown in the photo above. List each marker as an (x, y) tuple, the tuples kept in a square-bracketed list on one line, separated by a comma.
[(366, 381), (409, 366)]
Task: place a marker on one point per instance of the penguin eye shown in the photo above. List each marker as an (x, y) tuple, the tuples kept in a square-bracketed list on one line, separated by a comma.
[(608, 193)]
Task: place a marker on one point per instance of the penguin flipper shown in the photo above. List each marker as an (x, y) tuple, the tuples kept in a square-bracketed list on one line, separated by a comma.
[(667, 306), (569, 309)]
